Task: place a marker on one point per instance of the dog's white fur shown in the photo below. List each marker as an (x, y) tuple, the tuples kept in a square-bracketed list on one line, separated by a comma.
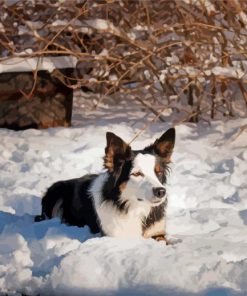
[(156, 229), (138, 193), (58, 209), (141, 187)]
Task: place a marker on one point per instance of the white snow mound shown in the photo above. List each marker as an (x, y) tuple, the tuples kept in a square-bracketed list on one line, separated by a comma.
[(207, 211)]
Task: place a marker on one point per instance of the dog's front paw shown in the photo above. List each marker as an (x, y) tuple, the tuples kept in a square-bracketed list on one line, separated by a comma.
[(170, 241), (159, 238)]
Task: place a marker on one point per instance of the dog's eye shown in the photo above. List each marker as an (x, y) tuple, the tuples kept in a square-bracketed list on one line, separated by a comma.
[(137, 174)]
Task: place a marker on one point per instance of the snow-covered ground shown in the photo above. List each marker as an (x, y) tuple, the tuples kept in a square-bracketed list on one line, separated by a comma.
[(207, 211)]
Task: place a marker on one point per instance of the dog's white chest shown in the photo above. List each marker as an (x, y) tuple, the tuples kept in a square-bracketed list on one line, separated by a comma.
[(114, 222), (119, 224)]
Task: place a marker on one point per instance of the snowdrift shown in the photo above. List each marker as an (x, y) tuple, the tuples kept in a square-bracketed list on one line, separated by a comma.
[(207, 211)]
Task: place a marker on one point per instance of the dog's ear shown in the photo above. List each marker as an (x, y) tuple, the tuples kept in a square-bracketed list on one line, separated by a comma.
[(116, 152), (163, 146)]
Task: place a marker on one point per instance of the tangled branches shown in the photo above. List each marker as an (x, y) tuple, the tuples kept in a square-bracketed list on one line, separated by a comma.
[(187, 57)]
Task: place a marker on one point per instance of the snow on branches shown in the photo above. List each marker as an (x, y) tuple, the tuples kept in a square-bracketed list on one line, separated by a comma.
[(187, 56)]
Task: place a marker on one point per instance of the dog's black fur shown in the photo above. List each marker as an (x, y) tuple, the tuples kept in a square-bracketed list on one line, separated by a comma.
[(76, 199)]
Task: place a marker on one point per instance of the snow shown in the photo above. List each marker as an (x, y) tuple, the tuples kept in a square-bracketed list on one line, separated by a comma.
[(18, 64), (101, 24), (207, 211)]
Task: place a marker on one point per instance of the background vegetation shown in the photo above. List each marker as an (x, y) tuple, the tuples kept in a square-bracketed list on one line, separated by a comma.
[(174, 57)]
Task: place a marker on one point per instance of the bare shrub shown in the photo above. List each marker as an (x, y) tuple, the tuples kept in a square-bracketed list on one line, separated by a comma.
[(186, 57)]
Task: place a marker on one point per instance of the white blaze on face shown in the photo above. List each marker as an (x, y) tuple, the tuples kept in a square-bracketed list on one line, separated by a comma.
[(121, 224), (113, 222), (141, 187)]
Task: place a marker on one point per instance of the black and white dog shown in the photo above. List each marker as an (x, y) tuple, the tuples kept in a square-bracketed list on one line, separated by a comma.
[(128, 200)]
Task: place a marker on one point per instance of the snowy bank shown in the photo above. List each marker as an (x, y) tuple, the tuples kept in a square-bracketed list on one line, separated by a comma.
[(207, 211), (20, 64)]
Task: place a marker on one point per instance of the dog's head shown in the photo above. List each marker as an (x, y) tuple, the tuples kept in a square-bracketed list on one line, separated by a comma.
[(139, 175)]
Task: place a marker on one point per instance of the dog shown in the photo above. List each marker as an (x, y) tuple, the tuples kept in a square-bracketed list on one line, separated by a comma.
[(128, 200)]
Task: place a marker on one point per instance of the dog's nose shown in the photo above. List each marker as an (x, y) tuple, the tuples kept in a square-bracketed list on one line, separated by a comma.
[(159, 192)]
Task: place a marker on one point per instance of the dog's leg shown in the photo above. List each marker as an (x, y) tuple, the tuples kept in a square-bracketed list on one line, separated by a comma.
[(39, 218)]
